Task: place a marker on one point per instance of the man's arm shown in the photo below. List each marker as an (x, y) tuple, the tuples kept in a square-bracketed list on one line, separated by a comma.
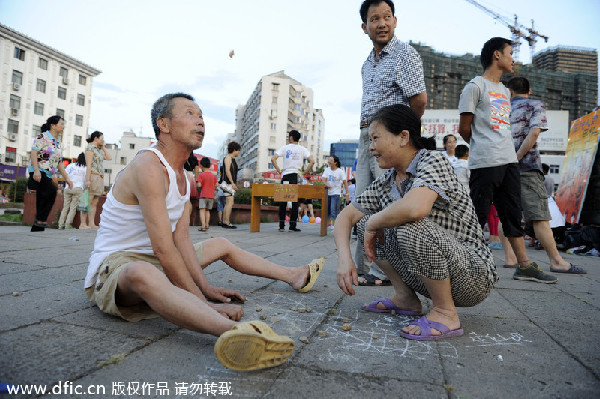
[(274, 162), (311, 162), (151, 198), (418, 102), (464, 126), (529, 142)]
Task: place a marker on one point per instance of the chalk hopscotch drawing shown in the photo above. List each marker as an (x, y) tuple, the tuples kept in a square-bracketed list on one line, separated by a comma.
[(496, 340), (379, 335)]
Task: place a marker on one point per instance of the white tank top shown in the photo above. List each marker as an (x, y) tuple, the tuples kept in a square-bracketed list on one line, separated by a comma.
[(122, 227)]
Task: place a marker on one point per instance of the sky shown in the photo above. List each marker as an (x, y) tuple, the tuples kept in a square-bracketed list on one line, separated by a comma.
[(147, 48)]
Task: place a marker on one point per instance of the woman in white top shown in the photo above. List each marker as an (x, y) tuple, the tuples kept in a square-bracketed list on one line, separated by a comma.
[(449, 147), (76, 172), (334, 177)]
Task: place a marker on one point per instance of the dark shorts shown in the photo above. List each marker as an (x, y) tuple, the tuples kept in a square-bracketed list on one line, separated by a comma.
[(502, 186)]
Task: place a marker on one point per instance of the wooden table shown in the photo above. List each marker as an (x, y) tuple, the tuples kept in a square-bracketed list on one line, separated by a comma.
[(304, 191)]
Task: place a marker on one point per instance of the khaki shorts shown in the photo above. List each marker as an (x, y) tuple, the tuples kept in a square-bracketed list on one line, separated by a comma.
[(206, 203), (96, 185), (534, 197), (102, 293)]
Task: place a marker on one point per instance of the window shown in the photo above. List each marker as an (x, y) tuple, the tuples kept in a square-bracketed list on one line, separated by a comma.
[(79, 120), (62, 93), (38, 108), (554, 169), (19, 54), (270, 166), (273, 126), (297, 106), (35, 130), (123, 160), (80, 99), (60, 112), (77, 141), (43, 64), (15, 101), (82, 80), (10, 157), (274, 100), (273, 113), (271, 152), (13, 126), (131, 146), (41, 85), (63, 72), (17, 77)]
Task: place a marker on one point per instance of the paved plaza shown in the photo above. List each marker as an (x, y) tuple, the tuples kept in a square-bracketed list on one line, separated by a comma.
[(527, 340)]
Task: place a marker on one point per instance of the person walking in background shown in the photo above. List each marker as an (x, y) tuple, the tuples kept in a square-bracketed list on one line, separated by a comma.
[(46, 160), (484, 123), (391, 74), (527, 122), (293, 155), (76, 172), (334, 179), (95, 155), (229, 173), (449, 142), (206, 183)]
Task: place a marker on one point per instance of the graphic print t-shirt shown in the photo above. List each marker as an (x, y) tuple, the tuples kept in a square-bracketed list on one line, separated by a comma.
[(491, 141)]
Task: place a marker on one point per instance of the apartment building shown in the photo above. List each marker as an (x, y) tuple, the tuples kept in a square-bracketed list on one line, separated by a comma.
[(36, 82), (277, 105)]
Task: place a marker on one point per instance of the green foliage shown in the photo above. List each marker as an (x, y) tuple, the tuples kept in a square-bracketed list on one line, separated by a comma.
[(12, 217), (21, 189), (243, 196)]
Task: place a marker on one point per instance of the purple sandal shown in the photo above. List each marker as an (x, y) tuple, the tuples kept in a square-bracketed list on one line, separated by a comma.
[(426, 326), (389, 306)]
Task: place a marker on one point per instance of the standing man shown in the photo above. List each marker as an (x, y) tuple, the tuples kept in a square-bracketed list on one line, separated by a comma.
[(485, 124), (527, 121), (144, 262), (391, 74), (293, 158)]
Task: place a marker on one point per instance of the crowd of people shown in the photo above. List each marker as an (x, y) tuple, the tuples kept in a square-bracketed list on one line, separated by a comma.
[(419, 214)]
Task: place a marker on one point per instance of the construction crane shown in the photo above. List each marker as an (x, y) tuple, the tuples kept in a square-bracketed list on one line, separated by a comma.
[(518, 31)]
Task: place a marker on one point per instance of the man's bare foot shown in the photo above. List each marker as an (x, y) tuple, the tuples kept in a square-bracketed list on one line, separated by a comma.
[(562, 265), (83, 227), (299, 277), (446, 317)]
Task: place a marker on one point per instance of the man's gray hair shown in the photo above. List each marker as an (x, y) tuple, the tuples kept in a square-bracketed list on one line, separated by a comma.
[(162, 108)]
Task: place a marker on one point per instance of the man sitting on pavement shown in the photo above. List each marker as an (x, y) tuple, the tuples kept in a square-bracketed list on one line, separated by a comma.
[(144, 262)]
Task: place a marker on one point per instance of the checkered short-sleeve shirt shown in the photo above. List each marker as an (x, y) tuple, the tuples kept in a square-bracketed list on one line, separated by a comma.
[(453, 210), (393, 77)]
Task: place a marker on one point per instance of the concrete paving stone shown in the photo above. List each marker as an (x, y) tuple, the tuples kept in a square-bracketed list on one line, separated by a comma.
[(514, 358), (67, 256), (38, 354), (28, 280), (8, 267), (494, 306), (41, 304), (550, 311), (298, 382), (180, 360), (93, 317)]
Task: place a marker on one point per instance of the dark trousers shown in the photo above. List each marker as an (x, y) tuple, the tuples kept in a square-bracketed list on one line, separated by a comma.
[(502, 186), (293, 179), (45, 195)]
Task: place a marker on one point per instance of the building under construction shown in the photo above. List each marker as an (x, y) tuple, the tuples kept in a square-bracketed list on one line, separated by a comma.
[(567, 59), (574, 90)]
